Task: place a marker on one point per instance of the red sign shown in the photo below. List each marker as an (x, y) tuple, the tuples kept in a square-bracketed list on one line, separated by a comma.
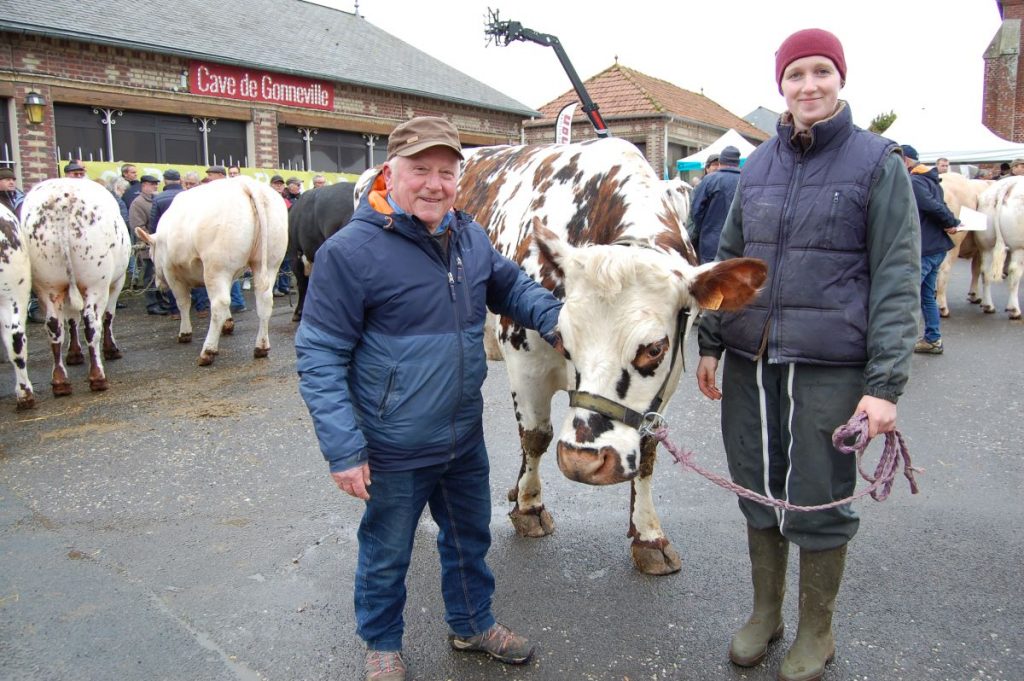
[(230, 82)]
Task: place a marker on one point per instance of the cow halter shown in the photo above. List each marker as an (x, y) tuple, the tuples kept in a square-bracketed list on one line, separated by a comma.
[(642, 422)]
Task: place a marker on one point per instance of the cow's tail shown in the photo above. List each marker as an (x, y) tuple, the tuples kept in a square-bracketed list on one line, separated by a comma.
[(261, 237), (999, 252), (74, 299)]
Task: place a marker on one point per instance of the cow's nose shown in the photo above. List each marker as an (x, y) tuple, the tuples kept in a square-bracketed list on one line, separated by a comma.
[(592, 466)]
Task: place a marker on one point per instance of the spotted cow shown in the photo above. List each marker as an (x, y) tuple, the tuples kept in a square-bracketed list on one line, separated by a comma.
[(593, 224), (15, 280), (79, 248), (206, 238)]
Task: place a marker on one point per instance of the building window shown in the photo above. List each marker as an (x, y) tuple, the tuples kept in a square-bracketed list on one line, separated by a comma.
[(6, 150), (330, 151), (145, 137)]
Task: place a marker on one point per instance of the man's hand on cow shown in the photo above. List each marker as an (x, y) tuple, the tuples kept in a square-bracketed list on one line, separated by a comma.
[(354, 481), (706, 370), (881, 414), (951, 230)]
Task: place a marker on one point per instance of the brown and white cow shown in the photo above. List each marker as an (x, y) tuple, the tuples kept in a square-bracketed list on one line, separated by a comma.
[(1003, 202), (593, 223), (79, 248), (15, 282), (206, 238)]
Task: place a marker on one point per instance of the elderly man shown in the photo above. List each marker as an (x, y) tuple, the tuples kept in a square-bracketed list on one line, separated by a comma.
[(391, 373), (74, 169), (1017, 166), (140, 215), (216, 173), (710, 206), (10, 195), (190, 180), (319, 181)]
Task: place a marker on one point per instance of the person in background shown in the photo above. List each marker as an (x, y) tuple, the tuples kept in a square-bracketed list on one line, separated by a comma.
[(711, 165), (214, 173), (1004, 171), (234, 171), (937, 224), (277, 184), (319, 181), (292, 189), (140, 215), (942, 165), (829, 207), (283, 285), (161, 202), (190, 180), (1017, 166), (10, 195), (74, 169), (391, 374), (711, 203), (117, 188), (130, 174)]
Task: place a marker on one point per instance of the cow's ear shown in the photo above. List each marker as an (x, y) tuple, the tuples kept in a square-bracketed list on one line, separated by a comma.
[(728, 285), (551, 249), (144, 235)]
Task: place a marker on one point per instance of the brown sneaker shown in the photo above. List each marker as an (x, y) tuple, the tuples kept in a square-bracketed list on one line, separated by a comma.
[(382, 665), (928, 348), (499, 642)]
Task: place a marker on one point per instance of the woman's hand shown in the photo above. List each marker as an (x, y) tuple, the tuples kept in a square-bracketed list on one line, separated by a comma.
[(881, 414), (706, 370)]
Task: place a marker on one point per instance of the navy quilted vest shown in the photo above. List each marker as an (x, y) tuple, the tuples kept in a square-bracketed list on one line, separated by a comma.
[(805, 215)]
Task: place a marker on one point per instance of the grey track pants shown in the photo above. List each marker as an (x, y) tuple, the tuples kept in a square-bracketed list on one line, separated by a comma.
[(777, 423)]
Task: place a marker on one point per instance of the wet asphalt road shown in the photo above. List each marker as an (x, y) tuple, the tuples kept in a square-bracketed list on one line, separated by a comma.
[(182, 526)]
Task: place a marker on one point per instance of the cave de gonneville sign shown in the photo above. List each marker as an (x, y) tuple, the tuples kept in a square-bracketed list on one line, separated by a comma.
[(218, 80)]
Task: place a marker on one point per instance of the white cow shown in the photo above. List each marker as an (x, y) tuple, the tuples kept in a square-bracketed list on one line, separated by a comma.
[(1003, 202), (79, 248), (15, 281), (958, 192), (206, 238), (595, 225)]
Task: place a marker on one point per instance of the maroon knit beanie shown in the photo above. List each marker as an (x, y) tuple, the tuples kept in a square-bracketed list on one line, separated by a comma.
[(809, 42)]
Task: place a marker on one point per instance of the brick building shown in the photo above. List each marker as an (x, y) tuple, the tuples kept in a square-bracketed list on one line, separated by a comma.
[(1003, 102), (305, 87), (664, 121)]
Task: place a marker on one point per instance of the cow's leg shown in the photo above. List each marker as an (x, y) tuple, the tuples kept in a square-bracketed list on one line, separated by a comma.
[(1013, 283), (92, 324), (264, 308), (533, 385), (652, 552), (55, 329), (12, 326), (986, 282), (183, 295), (972, 293), (110, 349), (219, 290), (301, 282), (74, 356), (943, 280)]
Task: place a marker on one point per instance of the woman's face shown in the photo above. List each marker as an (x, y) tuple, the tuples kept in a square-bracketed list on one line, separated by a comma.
[(811, 87)]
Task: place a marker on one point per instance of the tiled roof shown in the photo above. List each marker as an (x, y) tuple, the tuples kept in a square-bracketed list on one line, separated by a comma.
[(619, 91), (287, 36)]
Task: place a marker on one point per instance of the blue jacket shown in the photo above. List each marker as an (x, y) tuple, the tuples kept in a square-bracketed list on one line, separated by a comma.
[(711, 202), (161, 202), (390, 349), (935, 215)]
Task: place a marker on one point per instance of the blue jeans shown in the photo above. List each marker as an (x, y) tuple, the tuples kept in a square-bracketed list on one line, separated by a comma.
[(237, 299), (284, 277), (929, 307), (200, 299), (459, 496)]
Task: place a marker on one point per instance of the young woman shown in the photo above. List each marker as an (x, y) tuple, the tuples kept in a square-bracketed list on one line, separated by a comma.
[(830, 208)]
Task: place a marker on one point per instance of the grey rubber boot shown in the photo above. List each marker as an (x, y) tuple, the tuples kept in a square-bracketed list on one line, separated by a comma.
[(821, 573), (769, 554)]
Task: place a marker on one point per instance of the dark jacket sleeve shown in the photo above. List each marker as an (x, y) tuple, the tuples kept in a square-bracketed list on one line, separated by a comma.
[(930, 203), (730, 245), (697, 209), (894, 257), (324, 344)]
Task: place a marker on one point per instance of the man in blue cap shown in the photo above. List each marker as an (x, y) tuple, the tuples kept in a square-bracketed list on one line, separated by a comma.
[(711, 201)]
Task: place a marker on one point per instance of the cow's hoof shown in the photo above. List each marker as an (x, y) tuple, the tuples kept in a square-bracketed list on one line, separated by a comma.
[(74, 359), (513, 494), (184, 338), (114, 353), (229, 327), (988, 309), (61, 389), (260, 353), (973, 299), (1015, 315), (536, 522), (944, 312), (27, 402), (652, 559), (98, 385), (206, 359)]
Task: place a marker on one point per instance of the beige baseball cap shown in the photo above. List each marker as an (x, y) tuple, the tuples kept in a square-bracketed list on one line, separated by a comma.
[(423, 132)]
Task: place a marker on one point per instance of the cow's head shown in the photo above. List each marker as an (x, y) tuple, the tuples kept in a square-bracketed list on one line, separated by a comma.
[(620, 328), (157, 253)]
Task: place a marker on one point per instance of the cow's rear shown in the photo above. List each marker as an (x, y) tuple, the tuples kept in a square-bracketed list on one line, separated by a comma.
[(15, 282)]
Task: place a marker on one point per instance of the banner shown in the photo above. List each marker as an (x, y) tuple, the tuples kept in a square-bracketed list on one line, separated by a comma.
[(563, 124), (231, 82)]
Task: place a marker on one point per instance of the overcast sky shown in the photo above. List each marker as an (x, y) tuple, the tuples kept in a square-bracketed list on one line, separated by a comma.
[(914, 56)]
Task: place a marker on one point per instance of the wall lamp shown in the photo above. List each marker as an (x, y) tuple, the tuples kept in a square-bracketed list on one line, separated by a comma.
[(35, 107)]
